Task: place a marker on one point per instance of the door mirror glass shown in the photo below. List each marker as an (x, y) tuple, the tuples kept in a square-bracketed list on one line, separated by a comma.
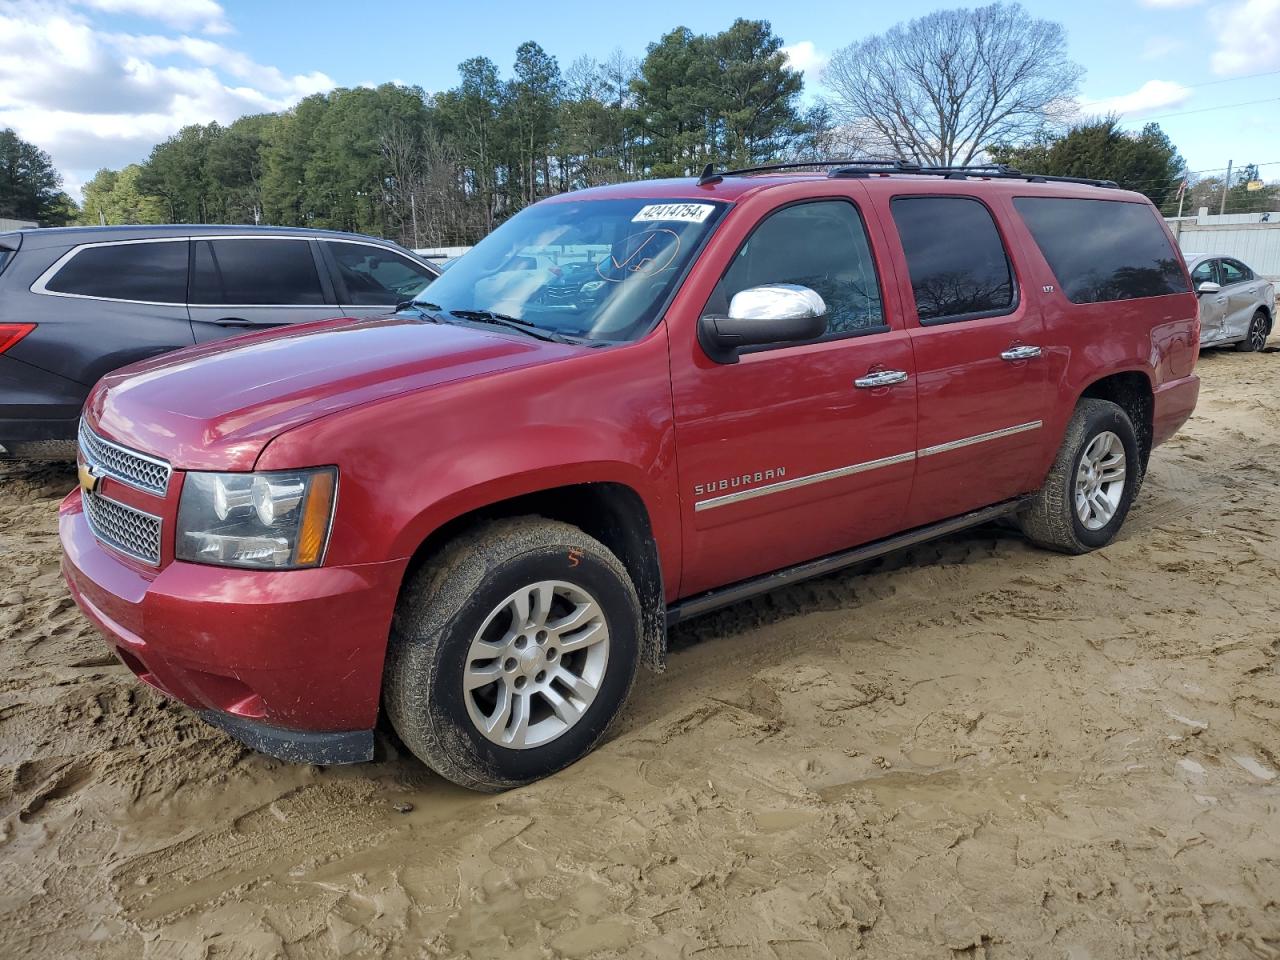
[(1208, 287), (774, 313)]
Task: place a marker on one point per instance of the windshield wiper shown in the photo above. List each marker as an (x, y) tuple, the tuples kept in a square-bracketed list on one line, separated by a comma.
[(514, 323), (422, 309)]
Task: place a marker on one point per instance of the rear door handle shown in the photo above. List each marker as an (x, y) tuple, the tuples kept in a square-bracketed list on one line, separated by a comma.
[(881, 378), (1021, 353)]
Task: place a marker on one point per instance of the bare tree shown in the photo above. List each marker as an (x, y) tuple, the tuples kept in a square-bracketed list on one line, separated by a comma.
[(941, 88)]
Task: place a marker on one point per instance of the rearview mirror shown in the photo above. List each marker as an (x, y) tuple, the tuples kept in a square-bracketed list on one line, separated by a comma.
[(771, 314), (1208, 287)]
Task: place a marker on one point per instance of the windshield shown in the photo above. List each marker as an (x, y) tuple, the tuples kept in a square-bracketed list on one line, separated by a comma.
[(595, 269)]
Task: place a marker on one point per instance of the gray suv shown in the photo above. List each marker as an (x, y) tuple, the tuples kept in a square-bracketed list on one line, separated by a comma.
[(78, 302)]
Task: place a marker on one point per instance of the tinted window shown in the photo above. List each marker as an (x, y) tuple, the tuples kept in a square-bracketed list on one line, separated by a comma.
[(1203, 274), (155, 271), (820, 245), (252, 272), (956, 259), (1233, 272), (377, 277), (1103, 249)]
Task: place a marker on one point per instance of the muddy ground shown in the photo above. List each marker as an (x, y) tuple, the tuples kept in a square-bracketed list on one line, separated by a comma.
[(974, 749)]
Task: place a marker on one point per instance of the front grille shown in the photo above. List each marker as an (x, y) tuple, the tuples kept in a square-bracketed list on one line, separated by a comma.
[(121, 463), (132, 532)]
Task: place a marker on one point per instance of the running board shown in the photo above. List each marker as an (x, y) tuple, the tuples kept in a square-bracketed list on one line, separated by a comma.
[(743, 590)]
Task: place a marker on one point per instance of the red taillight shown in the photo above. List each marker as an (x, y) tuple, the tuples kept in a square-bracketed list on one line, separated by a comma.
[(11, 333)]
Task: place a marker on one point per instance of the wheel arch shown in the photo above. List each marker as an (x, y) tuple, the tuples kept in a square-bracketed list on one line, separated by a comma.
[(1132, 392), (612, 512)]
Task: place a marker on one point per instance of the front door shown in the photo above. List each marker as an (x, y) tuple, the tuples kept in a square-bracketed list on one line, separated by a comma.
[(981, 378), (796, 451), (253, 282), (1213, 306)]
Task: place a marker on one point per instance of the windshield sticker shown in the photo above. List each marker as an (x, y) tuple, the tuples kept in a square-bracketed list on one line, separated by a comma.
[(678, 212), (642, 254)]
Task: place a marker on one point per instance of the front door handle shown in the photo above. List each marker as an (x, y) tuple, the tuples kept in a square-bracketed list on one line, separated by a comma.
[(881, 378), (1021, 353)]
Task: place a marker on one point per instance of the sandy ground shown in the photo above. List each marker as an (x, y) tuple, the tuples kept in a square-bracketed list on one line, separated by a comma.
[(975, 749)]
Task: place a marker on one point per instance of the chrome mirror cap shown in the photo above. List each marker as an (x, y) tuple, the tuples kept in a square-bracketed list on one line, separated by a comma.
[(776, 301)]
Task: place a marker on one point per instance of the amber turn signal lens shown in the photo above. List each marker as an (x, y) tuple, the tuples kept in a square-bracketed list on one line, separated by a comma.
[(315, 519)]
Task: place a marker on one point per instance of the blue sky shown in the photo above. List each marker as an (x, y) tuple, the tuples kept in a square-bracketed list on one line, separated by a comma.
[(97, 82)]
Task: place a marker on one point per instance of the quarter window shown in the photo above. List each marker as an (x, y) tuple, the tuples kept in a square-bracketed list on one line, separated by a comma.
[(1103, 250), (374, 276), (958, 266), (153, 272), (255, 272), (821, 245)]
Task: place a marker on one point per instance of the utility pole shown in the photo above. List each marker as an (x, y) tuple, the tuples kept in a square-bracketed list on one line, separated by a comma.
[(413, 209), (1226, 185)]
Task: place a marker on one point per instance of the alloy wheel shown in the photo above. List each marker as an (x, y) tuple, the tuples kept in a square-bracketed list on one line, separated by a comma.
[(536, 664), (1258, 333), (1100, 480)]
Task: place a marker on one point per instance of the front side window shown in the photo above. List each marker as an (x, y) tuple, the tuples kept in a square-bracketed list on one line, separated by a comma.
[(1233, 272), (154, 271), (1204, 273), (821, 245), (958, 266), (596, 270), (375, 276), (255, 272), (1103, 250)]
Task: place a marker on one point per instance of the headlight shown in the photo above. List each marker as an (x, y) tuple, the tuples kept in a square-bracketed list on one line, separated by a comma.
[(274, 520)]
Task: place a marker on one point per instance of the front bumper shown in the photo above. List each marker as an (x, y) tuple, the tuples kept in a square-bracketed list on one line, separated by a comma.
[(289, 662)]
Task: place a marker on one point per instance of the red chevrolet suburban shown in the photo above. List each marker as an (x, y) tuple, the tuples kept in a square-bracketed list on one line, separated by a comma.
[(626, 406)]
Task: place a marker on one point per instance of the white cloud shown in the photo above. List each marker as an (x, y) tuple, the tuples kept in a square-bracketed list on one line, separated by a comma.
[(807, 58), (1248, 37), (94, 98), (1151, 96), (205, 15)]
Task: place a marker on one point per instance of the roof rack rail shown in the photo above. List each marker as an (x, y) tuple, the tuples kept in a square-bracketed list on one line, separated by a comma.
[(848, 169)]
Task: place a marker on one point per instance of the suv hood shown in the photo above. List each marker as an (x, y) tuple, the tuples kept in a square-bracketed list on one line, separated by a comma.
[(214, 407)]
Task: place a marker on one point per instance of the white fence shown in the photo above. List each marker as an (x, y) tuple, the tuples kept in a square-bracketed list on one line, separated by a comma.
[(1251, 237), (6, 224)]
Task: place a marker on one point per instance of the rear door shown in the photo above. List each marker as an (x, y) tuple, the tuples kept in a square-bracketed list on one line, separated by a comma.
[(100, 306), (1241, 293), (249, 282), (981, 378), (370, 279)]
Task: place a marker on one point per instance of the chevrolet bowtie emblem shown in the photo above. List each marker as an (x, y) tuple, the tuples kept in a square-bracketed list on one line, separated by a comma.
[(88, 479)]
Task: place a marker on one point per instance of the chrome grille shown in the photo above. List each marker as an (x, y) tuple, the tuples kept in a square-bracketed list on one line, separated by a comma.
[(132, 532), (121, 463)]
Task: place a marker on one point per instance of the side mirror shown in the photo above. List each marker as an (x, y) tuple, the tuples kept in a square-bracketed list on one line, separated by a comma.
[(1208, 287), (773, 313)]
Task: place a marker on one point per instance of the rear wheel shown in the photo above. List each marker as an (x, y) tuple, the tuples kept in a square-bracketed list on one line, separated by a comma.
[(1256, 339), (512, 652), (1087, 495)]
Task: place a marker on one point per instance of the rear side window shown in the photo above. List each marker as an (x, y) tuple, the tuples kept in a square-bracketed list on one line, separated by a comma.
[(821, 245), (1233, 271), (958, 265), (374, 276), (1103, 250), (154, 271), (253, 272)]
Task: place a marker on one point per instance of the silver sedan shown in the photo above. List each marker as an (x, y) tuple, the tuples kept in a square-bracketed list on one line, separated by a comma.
[(1236, 305)]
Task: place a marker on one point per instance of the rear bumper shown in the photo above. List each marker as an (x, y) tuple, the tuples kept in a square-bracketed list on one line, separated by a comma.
[(35, 438), (1172, 406), (289, 662)]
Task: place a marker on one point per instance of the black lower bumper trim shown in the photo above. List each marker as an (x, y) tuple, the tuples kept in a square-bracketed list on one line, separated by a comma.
[(296, 746)]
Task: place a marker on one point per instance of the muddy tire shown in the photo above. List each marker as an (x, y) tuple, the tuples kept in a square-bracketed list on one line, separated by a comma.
[(1087, 495), (1256, 337), (511, 652)]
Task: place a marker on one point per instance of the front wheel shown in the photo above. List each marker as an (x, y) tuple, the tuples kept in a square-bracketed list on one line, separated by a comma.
[(1091, 485), (511, 653), (1256, 338)]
